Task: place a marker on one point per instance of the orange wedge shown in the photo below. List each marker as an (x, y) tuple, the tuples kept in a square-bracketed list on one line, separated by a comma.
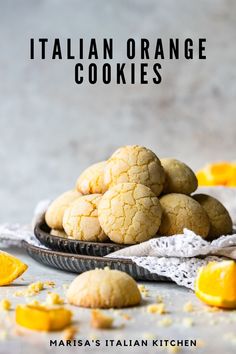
[(10, 268), (216, 284), (42, 318), (219, 173)]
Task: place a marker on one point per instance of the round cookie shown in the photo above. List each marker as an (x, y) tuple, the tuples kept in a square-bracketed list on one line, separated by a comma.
[(92, 179), (80, 219), (179, 177), (220, 220), (56, 209), (59, 233), (137, 164), (181, 211), (103, 288), (129, 213)]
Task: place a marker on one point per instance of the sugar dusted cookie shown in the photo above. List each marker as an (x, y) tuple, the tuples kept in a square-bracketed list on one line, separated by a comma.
[(129, 213), (55, 211), (181, 211), (179, 177), (136, 164), (59, 233), (220, 220), (80, 219), (103, 288), (92, 179)]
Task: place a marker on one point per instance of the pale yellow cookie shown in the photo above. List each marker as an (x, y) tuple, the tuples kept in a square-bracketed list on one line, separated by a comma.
[(55, 211), (129, 213), (179, 177), (220, 220), (136, 164), (92, 179), (181, 211), (81, 219), (59, 233), (103, 288)]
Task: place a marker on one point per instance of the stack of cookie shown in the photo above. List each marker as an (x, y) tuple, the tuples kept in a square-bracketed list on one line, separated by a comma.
[(134, 196)]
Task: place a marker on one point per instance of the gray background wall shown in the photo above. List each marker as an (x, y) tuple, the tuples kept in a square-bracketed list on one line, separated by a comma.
[(51, 129)]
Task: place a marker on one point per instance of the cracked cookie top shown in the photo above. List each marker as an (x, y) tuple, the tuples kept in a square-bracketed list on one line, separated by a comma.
[(80, 219), (55, 211), (92, 179), (129, 213), (137, 164), (179, 177), (181, 211), (220, 220)]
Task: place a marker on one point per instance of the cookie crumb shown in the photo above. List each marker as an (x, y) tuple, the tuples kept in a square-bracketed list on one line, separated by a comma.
[(165, 322), (126, 316), (100, 320), (36, 287), (149, 336), (32, 289), (188, 307), (70, 332), (156, 308), (49, 284), (159, 299), (5, 305), (212, 309), (54, 299), (93, 336), (173, 349), (200, 343), (188, 322), (18, 293), (144, 291)]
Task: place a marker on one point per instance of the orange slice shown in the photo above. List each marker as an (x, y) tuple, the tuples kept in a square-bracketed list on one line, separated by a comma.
[(10, 268), (216, 284), (42, 318), (219, 173)]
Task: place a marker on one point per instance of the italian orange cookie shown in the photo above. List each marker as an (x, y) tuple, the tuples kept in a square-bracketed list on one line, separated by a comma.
[(92, 179), (80, 219), (220, 220), (56, 209), (103, 288), (129, 213), (136, 164), (181, 211), (179, 177)]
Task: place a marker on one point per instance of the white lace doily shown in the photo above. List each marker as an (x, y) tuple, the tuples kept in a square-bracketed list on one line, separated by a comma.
[(181, 270), (179, 257)]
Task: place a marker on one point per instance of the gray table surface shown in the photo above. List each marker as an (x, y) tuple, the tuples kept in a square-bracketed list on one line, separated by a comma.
[(215, 331), (51, 129)]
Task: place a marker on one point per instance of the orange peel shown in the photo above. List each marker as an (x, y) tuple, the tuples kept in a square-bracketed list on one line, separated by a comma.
[(218, 173), (42, 318), (216, 284), (10, 268)]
